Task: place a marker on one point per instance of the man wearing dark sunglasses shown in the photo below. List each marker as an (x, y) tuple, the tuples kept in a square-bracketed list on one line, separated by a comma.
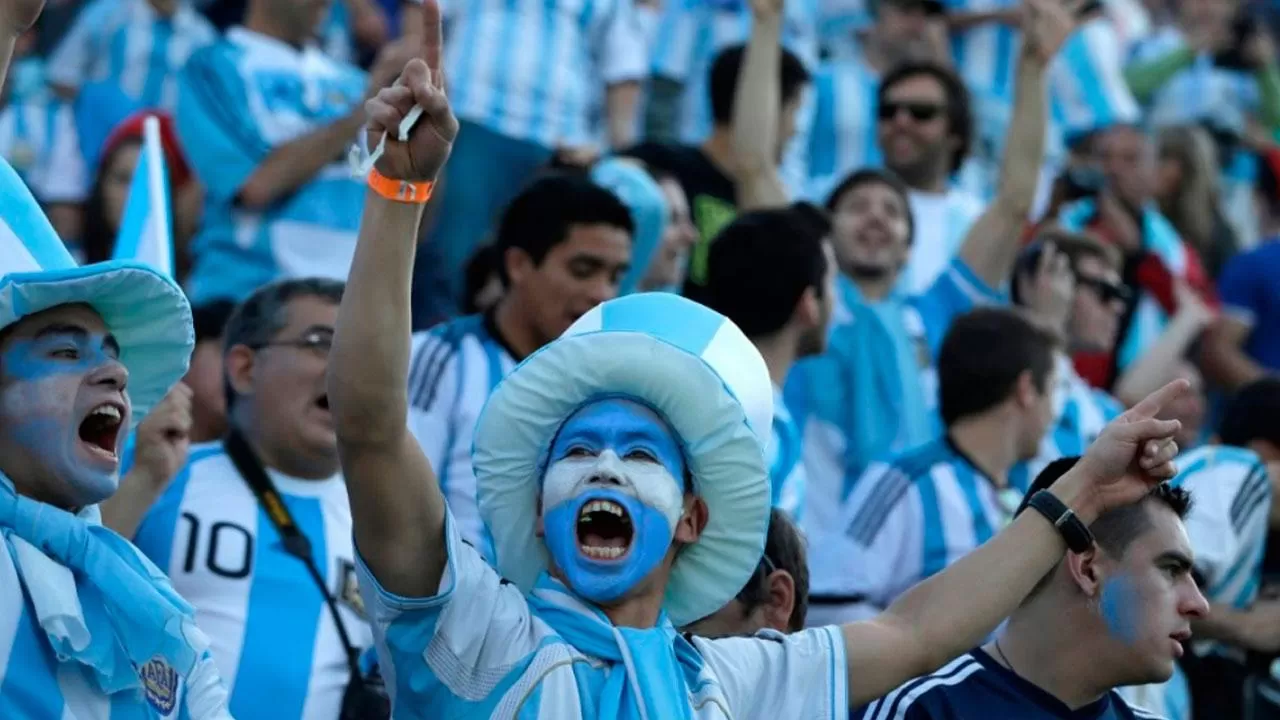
[(1071, 284)]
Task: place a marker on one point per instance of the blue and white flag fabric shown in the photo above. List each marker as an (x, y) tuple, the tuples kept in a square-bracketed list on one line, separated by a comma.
[(146, 231)]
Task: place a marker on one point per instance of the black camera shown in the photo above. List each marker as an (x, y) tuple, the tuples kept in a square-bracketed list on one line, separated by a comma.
[(366, 698)]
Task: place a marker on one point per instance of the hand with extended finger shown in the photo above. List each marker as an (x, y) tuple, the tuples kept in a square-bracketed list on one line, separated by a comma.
[(1046, 25), (1133, 454), (417, 154)]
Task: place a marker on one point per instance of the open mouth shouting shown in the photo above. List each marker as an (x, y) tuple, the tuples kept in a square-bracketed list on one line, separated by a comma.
[(100, 431), (605, 531)]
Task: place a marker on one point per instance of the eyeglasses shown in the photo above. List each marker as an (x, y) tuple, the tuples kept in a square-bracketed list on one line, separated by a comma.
[(317, 341), (919, 111), (1107, 291)]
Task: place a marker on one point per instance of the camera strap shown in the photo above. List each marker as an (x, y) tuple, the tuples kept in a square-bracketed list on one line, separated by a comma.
[(295, 541)]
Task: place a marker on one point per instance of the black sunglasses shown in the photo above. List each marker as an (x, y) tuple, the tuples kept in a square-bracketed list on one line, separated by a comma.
[(1107, 291), (919, 111)]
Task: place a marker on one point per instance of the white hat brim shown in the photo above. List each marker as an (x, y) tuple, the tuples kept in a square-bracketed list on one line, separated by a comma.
[(146, 312), (725, 458)]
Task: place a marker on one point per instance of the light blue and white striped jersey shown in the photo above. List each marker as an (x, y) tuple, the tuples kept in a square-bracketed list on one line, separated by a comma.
[(908, 519), (577, 47), (1227, 526), (453, 369), (843, 137), (786, 471), (477, 650), (129, 43), (692, 32), (273, 638), (1087, 91), (1081, 411), (854, 402), (38, 136), (241, 99), (1202, 91)]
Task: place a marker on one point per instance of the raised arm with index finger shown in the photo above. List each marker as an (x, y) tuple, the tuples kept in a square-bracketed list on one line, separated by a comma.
[(396, 504)]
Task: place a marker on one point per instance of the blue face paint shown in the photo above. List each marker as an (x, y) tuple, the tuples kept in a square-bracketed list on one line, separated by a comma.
[(619, 452), (41, 408), (1121, 609)]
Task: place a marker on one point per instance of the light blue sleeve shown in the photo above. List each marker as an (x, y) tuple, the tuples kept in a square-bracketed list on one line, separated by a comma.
[(206, 695), (214, 123), (452, 654), (956, 291)]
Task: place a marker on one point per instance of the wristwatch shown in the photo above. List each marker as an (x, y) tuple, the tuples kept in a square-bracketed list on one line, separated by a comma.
[(1072, 528)]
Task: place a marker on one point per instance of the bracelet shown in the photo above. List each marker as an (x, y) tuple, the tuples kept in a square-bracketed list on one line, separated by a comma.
[(1072, 528), (415, 193)]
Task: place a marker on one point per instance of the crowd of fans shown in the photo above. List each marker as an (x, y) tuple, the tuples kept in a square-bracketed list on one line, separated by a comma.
[(962, 246)]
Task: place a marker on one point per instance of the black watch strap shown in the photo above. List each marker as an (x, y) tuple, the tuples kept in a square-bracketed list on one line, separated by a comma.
[(1073, 529)]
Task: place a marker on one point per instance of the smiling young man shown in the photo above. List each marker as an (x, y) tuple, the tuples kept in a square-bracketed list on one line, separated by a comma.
[(88, 627), (621, 471)]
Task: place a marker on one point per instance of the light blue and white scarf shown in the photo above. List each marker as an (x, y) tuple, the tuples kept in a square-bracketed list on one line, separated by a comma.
[(100, 602), (652, 669)]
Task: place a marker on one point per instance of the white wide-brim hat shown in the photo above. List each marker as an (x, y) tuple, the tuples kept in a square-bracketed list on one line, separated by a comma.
[(695, 368), (144, 309)]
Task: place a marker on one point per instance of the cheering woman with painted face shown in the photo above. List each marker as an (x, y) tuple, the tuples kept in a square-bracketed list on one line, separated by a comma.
[(88, 627), (621, 473)]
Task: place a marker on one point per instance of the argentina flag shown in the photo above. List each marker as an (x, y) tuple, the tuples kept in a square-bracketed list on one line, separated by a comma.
[(146, 230)]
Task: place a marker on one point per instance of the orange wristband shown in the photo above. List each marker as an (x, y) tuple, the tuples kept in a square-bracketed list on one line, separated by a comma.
[(415, 193)]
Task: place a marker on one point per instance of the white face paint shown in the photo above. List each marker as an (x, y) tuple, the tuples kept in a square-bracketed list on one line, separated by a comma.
[(649, 482)]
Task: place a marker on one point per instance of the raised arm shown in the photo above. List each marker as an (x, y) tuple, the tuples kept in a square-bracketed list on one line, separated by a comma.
[(991, 245), (953, 611), (757, 105), (397, 509)]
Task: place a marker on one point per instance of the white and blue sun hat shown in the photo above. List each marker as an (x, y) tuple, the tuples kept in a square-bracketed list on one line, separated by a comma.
[(144, 308), (695, 368)]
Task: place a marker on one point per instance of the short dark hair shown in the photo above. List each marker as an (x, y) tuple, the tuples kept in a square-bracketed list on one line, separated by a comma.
[(210, 319), (724, 80), (783, 550), (483, 265), (880, 176), (1115, 529), (959, 112), (539, 218), (759, 266), (982, 356), (262, 315), (1251, 414)]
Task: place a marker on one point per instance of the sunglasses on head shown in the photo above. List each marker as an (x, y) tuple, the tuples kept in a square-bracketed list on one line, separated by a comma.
[(919, 111), (1107, 291)]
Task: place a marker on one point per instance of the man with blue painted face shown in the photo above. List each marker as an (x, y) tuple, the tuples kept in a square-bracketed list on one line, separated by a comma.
[(621, 472), (88, 627), (1113, 615)]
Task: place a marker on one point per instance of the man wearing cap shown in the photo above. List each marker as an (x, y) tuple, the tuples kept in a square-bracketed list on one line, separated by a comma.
[(621, 472), (88, 627)]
